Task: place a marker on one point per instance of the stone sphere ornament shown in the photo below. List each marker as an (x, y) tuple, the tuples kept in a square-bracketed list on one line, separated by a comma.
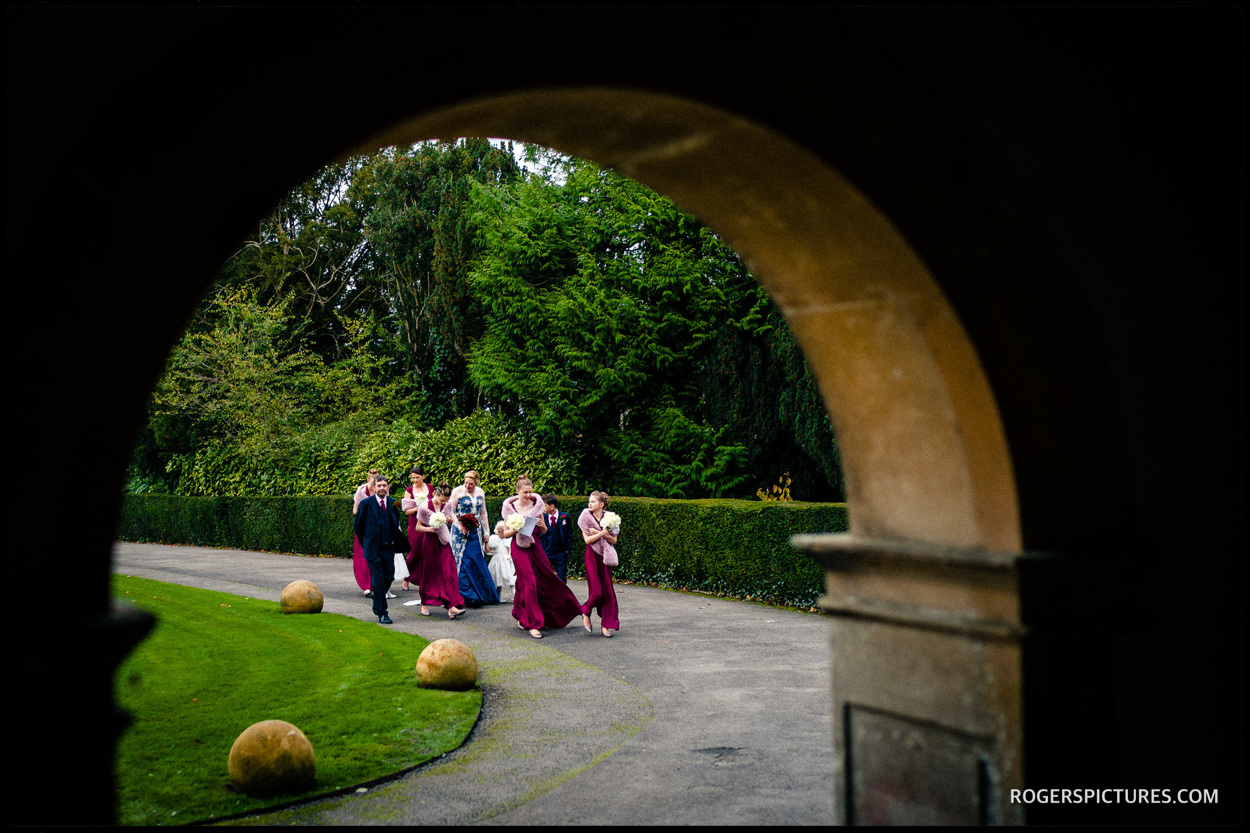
[(271, 757), (447, 664), (302, 597)]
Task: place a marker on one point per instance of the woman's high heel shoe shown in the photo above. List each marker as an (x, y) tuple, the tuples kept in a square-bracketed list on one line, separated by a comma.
[(586, 624)]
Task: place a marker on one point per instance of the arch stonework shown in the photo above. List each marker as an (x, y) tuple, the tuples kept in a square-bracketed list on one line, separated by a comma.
[(1019, 287)]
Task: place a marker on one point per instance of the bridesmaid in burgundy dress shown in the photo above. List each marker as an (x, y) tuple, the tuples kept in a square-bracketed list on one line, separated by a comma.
[(540, 600), (440, 580), (360, 567), (598, 574), (415, 496)]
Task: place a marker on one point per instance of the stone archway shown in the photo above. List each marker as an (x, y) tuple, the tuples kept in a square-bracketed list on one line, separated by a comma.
[(1065, 181)]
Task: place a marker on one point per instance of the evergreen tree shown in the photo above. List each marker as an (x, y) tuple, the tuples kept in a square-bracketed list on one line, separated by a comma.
[(617, 326)]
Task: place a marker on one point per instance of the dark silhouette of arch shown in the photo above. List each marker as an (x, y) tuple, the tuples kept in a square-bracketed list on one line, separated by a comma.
[(1065, 187)]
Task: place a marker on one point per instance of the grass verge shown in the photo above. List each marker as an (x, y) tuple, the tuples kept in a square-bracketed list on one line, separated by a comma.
[(217, 663)]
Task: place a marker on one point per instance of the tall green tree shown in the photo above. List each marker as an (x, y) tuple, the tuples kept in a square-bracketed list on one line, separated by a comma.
[(422, 244), (603, 300), (759, 384), (311, 251)]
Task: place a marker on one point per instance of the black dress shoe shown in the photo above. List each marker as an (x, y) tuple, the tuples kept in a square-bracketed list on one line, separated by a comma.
[(385, 620)]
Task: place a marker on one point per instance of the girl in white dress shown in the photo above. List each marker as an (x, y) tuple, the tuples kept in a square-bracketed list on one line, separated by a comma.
[(501, 568)]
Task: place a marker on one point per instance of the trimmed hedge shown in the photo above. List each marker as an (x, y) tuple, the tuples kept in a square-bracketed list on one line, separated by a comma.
[(310, 525), (733, 548)]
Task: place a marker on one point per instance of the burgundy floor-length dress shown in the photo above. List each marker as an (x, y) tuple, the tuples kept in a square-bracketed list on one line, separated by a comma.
[(440, 580), (413, 558), (360, 567), (599, 578), (540, 600)]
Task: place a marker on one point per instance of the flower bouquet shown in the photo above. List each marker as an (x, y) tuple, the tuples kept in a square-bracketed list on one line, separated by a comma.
[(522, 524), (469, 521), (437, 520), (611, 522)]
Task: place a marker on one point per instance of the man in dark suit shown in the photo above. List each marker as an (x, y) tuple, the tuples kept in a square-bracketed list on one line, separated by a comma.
[(377, 529), (555, 540)]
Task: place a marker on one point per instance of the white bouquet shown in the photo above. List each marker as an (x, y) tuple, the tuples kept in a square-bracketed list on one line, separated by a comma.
[(516, 522), (437, 519), (611, 522)]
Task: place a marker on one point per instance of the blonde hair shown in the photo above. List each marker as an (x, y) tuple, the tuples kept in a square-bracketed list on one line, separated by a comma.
[(602, 497), (523, 479)]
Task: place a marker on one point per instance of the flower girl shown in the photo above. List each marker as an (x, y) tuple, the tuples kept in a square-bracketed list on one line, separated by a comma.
[(501, 568)]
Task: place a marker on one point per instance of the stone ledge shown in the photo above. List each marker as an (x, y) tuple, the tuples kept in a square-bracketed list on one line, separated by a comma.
[(963, 590)]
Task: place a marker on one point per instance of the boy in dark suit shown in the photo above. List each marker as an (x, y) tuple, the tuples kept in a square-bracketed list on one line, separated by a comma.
[(377, 529), (555, 540)]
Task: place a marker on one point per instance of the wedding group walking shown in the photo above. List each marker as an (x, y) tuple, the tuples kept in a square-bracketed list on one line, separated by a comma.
[(442, 556)]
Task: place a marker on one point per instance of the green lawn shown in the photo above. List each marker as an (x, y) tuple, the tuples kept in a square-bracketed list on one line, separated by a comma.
[(216, 663)]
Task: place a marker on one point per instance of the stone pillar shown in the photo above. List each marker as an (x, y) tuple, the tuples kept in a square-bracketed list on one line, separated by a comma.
[(961, 675)]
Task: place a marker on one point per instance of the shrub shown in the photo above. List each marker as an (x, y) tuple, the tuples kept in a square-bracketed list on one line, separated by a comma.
[(490, 444)]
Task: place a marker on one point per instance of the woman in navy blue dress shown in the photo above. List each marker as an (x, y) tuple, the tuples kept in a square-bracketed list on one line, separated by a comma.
[(468, 504)]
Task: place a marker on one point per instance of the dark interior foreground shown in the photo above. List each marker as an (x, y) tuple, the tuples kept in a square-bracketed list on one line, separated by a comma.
[(1072, 181)]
